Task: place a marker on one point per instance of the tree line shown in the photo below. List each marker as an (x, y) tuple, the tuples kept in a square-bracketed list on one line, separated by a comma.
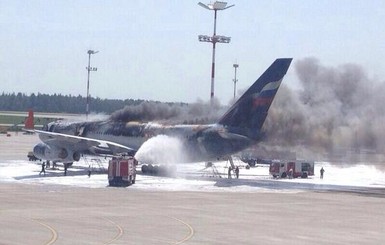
[(58, 103)]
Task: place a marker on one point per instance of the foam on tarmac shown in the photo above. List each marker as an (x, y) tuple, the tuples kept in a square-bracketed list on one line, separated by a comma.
[(194, 208)]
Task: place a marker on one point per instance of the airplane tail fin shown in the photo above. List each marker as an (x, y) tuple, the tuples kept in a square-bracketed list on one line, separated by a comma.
[(248, 114), (29, 121)]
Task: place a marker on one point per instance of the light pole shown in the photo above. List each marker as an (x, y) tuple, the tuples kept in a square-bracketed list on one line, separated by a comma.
[(217, 5), (235, 77), (89, 69)]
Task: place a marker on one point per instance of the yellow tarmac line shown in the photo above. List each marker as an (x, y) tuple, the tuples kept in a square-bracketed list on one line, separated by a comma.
[(120, 231), (53, 232), (191, 231)]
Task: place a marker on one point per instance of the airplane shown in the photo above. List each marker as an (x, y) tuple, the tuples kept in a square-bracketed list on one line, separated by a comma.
[(239, 128)]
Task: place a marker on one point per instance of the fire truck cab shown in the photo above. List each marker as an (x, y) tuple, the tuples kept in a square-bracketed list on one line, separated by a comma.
[(296, 169), (122, 171)]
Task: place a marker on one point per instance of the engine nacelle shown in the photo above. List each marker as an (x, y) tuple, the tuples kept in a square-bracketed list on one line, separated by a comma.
[(57, 154)]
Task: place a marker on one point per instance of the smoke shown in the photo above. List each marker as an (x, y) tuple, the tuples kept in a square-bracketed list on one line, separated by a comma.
[(92, 117), (147, 111), (161, 149), (336, 108), (172, 113)]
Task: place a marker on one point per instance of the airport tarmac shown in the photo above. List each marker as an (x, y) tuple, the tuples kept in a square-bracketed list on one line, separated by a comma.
[(39, 214), (39, 210)]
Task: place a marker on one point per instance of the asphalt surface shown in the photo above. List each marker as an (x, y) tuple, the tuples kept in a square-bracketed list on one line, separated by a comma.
[(56, 214), (40, 214)]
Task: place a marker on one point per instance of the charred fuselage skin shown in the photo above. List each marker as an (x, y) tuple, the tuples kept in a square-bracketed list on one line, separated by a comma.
[(200, 142)]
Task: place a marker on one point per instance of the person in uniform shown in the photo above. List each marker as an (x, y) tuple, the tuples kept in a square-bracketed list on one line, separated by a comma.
[(42, 168), (322, 171), (237, 172)]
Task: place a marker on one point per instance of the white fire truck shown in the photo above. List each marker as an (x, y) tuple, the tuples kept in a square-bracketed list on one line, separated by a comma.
[(292, 169), (122, 171)]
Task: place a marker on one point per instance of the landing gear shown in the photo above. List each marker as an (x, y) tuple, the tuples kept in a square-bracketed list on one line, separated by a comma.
[(304, 175), (159, 170)]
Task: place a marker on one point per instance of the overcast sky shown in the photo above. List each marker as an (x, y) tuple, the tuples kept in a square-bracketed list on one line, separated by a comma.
[(149, 49)]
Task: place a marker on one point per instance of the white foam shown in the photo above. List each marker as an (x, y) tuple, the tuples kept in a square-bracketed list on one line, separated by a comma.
[(195, 177), (161, 149)]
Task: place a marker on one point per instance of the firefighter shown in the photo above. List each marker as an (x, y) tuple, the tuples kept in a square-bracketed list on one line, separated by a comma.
[(290, 173), (42, 169), (65, 169), (89, 171), (237, 172), (322, 173)]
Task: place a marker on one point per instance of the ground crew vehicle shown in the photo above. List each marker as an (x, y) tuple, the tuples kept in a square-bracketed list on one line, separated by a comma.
[(122, 171), (31, 156), (301, 169)]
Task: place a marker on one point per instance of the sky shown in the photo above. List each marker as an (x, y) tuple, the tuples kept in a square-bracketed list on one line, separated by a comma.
[(149, 49)]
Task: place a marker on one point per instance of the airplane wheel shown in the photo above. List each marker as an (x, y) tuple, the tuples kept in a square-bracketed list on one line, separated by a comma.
[(252, 163), (150, 169), (144, 169), (283, 175)]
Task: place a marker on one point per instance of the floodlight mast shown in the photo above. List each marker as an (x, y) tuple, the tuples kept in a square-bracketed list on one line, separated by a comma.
[(235, 77), (217, 5), (89, 69)]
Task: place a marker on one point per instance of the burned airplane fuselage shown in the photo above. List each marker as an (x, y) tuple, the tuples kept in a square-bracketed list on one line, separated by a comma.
[(200, 142), (237, 129)]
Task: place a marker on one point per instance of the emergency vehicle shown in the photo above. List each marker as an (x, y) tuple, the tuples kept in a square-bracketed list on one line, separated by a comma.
[(122, 171), (301, 169)]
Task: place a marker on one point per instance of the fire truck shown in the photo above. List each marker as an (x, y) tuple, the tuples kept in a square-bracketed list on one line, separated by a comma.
[(122, 171), (292, 169)]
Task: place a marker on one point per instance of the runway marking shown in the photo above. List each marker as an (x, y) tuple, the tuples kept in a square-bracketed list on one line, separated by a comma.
[(53, 231), (120, 232), (188, 237)]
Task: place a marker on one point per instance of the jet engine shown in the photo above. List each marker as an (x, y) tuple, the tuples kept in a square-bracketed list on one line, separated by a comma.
[(54, 153)]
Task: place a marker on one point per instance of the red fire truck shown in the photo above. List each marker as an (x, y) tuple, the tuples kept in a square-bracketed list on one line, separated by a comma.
[(122, 171), (301, 169)]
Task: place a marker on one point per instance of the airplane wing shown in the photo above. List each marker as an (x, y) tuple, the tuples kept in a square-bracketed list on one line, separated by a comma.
[(81, 144)]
